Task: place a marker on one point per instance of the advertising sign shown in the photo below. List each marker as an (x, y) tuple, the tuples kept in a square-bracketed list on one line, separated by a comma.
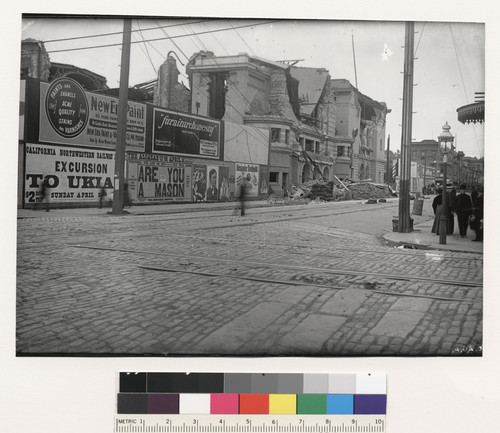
[(213, 183), (158, 178), (71, 116), (248, 173), (73, 175), (223, 183), (185, 134), (22, 106), (199, 182), (264, 180)]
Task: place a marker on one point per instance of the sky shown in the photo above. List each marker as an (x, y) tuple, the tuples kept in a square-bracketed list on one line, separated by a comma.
[(449, 65)]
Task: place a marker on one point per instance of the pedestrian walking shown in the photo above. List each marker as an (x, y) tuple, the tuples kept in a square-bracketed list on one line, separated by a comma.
[(463, 208), (451, 196), (243, 193), (437, 205), (126, 196), (102, 194), (478, 217), (473, 195), (45, 193)]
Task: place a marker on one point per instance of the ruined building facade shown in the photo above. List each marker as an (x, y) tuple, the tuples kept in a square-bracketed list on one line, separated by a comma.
[(362, 120), (317, 126)]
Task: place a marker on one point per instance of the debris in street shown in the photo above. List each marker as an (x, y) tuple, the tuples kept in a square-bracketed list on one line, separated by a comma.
[(321, 190)]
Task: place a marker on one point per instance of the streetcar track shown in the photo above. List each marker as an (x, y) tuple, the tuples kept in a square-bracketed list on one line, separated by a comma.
[(313, 247), (292, 267), (293, 283)]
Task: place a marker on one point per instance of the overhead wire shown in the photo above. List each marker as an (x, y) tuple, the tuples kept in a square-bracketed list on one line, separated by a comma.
[(234, 108), (182, 52), (160, 39), (463, 82), (119, 33), (419, 39), (243, 40), (244, 98), (146, 48)]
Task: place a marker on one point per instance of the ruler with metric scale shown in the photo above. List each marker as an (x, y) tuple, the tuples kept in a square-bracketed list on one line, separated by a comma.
[(249, 423)]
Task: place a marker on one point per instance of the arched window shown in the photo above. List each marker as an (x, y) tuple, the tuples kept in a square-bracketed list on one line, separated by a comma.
[(306, 174), (326, 173)]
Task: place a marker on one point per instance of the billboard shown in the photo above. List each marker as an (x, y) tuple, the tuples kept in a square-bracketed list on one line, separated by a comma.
[(248, 173), (158, 178), (22, 108), (73, 174), (185, 134), (71, 116)]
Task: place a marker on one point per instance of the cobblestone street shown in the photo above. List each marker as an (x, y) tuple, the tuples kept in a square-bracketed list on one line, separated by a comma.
[(271, 283)]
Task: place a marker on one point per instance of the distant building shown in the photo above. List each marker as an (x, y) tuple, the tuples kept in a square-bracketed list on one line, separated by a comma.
[(426, 158), (362, 121), (35, 63)]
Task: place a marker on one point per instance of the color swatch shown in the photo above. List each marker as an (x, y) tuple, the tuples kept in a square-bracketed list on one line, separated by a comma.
[(252, 393)]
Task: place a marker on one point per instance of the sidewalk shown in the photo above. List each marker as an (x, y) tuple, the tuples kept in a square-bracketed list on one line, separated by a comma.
[(421, 237)]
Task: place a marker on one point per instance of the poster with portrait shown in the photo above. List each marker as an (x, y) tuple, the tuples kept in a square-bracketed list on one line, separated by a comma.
[(199, 182), (248, 173), (223, 183), (212, 183)]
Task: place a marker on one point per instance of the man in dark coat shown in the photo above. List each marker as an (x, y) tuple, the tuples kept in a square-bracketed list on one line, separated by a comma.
[(463, 208), (451, 196), (478, 217)]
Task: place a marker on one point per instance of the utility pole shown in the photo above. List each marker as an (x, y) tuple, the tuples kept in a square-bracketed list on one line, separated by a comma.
[(388, 169), (354, 59), (121, 136), (404, 183)]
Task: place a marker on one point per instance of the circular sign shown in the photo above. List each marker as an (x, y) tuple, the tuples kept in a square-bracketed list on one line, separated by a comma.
[(66, 107)]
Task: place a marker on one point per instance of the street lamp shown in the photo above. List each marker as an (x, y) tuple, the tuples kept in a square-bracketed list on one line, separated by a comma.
[(424, 158), (444, 139)]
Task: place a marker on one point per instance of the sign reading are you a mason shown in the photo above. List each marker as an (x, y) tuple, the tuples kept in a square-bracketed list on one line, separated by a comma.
[(185, 134)]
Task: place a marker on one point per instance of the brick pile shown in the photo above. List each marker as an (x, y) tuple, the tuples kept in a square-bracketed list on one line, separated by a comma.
[(320, 190), (369, 190)]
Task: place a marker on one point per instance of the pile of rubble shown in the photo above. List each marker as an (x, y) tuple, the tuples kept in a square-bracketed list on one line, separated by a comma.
[(321, 190), (367, 190)]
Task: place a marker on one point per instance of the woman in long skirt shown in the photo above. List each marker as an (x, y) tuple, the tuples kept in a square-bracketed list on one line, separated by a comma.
[(437, 205)]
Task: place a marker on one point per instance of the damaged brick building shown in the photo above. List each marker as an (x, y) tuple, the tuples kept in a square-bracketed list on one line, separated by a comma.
[(318, 126)]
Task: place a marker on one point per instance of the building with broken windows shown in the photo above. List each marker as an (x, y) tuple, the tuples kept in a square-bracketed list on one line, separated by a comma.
[(361, 120), (318, 127)]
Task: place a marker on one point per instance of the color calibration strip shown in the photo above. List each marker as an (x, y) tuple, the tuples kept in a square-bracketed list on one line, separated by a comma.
[(252, 393)]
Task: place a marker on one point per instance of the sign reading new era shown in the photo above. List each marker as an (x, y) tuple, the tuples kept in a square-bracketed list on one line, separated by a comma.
[(66, 107)]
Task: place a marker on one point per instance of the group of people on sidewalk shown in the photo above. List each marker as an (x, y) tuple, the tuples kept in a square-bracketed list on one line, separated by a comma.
[(468, 208)]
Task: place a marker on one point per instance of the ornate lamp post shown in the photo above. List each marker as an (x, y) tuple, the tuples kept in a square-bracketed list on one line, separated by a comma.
[(424, 158), (444, 139)]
